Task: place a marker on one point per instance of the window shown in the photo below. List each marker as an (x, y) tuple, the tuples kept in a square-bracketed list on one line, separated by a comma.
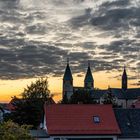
[(96, 119)]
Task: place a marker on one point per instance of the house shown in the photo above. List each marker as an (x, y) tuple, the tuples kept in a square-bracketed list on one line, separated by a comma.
[(136, 104), (80, 122), (129, 123), (124, 98)]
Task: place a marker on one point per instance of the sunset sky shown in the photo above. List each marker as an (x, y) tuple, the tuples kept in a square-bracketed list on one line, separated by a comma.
[(37, 37)]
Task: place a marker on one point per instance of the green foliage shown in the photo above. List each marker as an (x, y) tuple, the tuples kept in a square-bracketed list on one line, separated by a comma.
[(109, 98), (37, 90), (28, 112), (81, 97), (12, 131), (30, 108)]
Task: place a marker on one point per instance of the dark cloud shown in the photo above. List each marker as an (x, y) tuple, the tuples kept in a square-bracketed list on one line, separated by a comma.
[(36, 37), (120, 3), (118, 77), (109, 16), (123, 47), (136, 84), (88, 45), (82, 20), (114, 19), (100, 65), (30, 60), (117, 17), (79, 75), (36, 29)]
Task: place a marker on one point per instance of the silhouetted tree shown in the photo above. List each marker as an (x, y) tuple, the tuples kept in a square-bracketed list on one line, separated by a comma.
[(109, 98), (37, 90), (81, 96), (30, 108)]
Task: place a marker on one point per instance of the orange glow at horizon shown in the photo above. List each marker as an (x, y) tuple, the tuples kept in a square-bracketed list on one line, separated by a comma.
[(9, 88)]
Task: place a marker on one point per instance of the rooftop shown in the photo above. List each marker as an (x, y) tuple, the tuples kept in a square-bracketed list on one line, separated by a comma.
[(67, 74), (81, 120), (130, 122)]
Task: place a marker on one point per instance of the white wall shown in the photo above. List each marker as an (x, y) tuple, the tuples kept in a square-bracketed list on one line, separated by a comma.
[(122, 102), (129, 139), (43, 139), (129, 103), (66, 137)]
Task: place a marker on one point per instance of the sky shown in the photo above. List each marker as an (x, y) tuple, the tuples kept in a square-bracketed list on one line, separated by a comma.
[(37, 37)]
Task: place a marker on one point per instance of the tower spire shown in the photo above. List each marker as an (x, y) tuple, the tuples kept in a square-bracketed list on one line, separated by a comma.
[(89, 81), (124, 79), (67, 74), (67, 82)]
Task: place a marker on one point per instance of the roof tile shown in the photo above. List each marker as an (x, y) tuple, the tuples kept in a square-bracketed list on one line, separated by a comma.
[(78, 119)]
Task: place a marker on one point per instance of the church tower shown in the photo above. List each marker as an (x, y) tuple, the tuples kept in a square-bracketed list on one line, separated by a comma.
[(67, 82), (124, 80), (89, 81)]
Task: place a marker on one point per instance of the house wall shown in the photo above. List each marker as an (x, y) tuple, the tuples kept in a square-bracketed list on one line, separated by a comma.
[(125, 103), (121, 102), (79, 137), (129, 103), (128, 138), (65, 137), (42, 139)]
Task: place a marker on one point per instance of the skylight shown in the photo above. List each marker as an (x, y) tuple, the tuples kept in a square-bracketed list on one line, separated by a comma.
[(96, 119)]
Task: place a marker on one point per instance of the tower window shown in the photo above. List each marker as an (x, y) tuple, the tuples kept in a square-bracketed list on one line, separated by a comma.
[(96, 119)]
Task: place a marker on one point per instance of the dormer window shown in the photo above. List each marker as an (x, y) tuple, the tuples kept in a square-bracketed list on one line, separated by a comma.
[(96, 119)]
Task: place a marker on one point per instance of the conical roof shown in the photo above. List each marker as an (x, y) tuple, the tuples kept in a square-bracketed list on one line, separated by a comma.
[(67, 74), (124, 73), (88, 77)]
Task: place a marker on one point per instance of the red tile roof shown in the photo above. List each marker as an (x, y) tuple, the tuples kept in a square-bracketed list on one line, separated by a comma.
[(78, 120)]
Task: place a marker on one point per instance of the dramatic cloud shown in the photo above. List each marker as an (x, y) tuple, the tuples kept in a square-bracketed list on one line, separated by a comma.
[(37, 36)]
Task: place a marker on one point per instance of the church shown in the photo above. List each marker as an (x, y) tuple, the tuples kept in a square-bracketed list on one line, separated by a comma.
[(125, 96)]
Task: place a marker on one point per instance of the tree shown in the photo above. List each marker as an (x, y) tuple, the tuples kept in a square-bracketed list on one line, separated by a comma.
[(12, 131), (30, 108), (81, 96), (37, 90), (109, 98)]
